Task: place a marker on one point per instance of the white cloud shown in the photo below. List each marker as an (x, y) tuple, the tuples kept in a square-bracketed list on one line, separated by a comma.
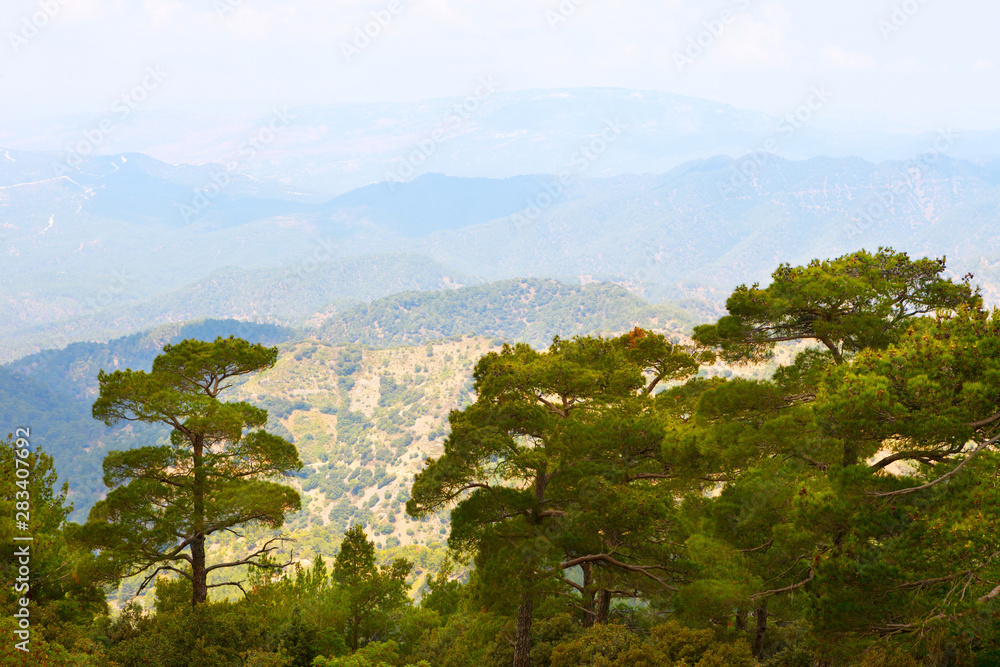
[(762, 39), (161, 11), (85, 10), (836, 57), (287, 52)]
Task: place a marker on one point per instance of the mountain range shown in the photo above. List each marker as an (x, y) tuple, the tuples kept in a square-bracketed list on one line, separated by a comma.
[(79, 266)]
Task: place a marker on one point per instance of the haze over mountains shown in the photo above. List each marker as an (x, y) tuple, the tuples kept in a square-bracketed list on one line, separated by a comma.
[(336, 205), (324, 151)]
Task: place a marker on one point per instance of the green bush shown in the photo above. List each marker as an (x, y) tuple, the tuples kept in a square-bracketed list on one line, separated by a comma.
[(215, 635), (599, 646), (376, 654), (671, 645)]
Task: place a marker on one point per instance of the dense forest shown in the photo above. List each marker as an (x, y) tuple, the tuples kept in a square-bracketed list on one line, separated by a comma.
[(609, 502)]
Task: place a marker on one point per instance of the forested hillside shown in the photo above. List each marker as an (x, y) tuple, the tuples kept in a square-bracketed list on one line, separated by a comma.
[(56, 387), (364, 421)]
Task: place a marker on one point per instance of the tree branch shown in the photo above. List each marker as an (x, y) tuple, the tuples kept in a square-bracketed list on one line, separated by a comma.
[(263, 551), (800, 398), (786, 589), (763, 547), (923, 457), (989, 596), (942, 478), (238, 584), (935, 580), (161, 568), (551, 406), (986, 422), (899, 628), (607, 558), (589, 612)]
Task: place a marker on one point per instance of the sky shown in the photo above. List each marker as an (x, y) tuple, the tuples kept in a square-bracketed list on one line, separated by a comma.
[(892, 64)]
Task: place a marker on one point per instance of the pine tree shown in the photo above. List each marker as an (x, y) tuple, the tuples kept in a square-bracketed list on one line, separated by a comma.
[(216, 474), (373, 595)]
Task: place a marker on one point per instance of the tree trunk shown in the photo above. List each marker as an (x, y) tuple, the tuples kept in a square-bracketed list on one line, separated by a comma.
[(355, 632), (837, 354), (522, 637), (588, 595), (199, 576), (603, 605), (741, 621), (760, 614)]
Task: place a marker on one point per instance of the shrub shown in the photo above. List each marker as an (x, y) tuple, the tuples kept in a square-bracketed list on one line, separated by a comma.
[(598, 646)]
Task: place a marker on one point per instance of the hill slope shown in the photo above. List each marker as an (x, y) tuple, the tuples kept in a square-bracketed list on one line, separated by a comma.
[(54, 389), (530, 310)]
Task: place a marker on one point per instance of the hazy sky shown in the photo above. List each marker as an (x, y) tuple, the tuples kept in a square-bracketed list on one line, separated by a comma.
[(911, 63)]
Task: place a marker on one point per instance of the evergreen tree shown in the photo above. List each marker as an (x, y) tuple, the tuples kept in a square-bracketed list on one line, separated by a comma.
[(63, 600), (558, 464), (858, 301), (373, 596), (840, 469), (214, 475)]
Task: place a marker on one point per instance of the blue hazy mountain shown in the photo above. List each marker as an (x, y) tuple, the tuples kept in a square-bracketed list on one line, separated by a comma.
[(693, 232), (435, 202)]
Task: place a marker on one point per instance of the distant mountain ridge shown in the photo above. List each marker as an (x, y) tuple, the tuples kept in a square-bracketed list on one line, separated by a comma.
[(707, 225), (330, 150), (284, 295), (435, 202), (691, 233)]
